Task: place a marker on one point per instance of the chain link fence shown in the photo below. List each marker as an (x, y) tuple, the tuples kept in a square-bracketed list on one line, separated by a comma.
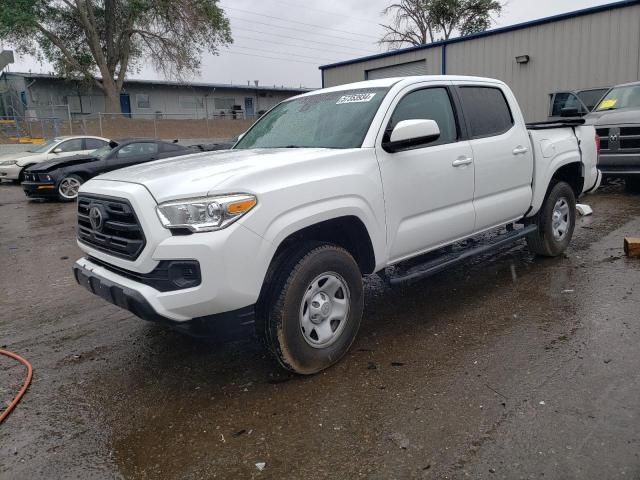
[(161, 125), (152, 125)]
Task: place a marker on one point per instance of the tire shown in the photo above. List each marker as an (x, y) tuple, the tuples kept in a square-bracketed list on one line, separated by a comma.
[(632, 184), (68, 187), (312, 308), (556, 221)]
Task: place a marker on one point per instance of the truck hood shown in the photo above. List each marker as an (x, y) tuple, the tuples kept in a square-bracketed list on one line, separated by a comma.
[(49, 165), (624, 116), (214, 172)]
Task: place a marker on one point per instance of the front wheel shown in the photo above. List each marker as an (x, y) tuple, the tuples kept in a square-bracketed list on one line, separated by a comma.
[(68, 188), (312, 314), (556, 221)]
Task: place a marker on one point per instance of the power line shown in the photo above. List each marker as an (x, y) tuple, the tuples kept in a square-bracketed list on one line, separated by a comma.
[(295, 38), (307, 32), (363, 20), (299, 23), (291, 45), (270, 58), (285, 53)]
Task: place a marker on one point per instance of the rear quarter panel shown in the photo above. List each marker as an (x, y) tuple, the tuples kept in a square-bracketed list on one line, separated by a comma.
[(556, 147)]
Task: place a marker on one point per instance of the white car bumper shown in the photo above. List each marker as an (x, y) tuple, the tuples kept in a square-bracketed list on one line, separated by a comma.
[(10, 172)]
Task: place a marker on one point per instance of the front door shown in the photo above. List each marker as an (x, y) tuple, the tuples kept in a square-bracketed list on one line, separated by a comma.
[(502, 155), (125, 104), (248, 107), (428, 190)]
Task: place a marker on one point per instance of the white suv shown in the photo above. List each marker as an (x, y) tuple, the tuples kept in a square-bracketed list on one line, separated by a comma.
[(12, 165)]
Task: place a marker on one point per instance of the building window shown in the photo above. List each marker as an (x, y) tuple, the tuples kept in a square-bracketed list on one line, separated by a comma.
[(224, 103), (189, 101), (143, 101)]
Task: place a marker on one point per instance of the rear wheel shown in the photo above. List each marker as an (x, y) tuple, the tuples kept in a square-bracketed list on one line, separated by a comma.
[(556, 221), (68, 188), (312, 312)]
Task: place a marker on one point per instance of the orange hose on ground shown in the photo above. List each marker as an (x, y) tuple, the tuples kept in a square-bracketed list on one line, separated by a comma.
[(23, 390)]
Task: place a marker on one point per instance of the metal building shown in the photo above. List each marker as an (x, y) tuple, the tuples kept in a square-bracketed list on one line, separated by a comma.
[(37, 95), (595, 47)]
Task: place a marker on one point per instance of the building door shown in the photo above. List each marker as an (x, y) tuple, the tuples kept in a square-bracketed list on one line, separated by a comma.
[(125, 104), (248, 107)]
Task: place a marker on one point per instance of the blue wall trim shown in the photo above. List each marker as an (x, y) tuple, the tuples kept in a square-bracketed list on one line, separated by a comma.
[(488, 33)]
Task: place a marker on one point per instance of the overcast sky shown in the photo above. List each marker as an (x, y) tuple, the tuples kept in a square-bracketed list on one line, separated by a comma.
[(284, 41)]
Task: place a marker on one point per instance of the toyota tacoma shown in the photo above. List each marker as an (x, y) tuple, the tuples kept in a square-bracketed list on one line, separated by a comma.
[(275, 235)]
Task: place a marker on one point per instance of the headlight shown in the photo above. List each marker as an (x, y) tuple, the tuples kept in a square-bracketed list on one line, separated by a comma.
[(43, 177), (205, 214), (8, 163)]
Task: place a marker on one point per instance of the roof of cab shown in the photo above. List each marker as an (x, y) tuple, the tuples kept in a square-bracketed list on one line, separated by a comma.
[(390, 82)]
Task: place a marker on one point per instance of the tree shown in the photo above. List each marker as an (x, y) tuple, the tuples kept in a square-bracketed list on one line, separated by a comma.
[(411, 24), (416, 22), (100, 41)]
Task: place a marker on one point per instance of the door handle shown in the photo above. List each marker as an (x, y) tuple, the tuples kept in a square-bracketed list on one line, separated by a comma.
[(520, 150), (462, 161)]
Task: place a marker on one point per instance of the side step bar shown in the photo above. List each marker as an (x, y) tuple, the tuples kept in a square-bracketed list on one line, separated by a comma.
[(439, 264)]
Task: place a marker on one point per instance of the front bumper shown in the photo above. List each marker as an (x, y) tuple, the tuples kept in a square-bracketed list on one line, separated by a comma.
[(223, 326), (10, 172), (619, 164), (40, 190)]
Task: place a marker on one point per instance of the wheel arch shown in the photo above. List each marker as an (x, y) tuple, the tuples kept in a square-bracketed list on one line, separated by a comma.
[(569, 171)]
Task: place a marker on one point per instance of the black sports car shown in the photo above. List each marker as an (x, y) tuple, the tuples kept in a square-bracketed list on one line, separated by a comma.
[(62, 178)]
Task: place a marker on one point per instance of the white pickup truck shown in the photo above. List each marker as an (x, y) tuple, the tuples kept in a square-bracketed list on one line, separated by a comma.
[(275, 235)]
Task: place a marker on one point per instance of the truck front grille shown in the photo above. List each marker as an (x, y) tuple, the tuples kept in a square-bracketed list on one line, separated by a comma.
[(619, 139), (110, 225)]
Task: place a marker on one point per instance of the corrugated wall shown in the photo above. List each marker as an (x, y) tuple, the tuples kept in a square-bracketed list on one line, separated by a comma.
[(595, 50), (592, 51), (356, 72)]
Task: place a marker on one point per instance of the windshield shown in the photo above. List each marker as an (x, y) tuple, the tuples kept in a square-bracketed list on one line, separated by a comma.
[(44, 147), (591, 97), (621, 97), (102, 152), (324, 120)]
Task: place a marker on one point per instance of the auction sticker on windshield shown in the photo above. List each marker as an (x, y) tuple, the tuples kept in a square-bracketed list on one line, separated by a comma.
[(356, 98)]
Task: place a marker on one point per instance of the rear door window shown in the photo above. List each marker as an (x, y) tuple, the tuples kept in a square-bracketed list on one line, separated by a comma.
[(94, 143), (486, 110)]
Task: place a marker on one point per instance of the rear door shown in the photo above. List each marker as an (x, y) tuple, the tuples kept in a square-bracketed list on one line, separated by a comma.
[(501, 152), (428, 189)]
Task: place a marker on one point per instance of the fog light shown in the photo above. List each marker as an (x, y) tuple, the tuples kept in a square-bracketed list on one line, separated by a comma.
[(184, 274)]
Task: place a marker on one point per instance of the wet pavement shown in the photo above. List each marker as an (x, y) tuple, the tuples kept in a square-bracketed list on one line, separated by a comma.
[(511, 368)]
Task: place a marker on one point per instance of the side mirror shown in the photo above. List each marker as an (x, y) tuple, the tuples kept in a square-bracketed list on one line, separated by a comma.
[(240, 136), (412, 133), (57, 150), (570, 112)]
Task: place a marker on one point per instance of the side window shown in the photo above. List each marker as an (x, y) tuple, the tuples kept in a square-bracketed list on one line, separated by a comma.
[(427, 104), (565, 100), (93, 143), (74, 145), (134, 149), (171, 147), (486, 110)]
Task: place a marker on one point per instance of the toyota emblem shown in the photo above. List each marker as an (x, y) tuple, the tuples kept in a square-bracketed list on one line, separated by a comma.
[(95, 218)]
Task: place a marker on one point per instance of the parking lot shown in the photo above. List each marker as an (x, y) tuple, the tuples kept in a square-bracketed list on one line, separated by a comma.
[(515, 368)]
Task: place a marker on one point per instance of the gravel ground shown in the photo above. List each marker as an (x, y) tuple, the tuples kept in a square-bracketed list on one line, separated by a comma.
[(515, 367)]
